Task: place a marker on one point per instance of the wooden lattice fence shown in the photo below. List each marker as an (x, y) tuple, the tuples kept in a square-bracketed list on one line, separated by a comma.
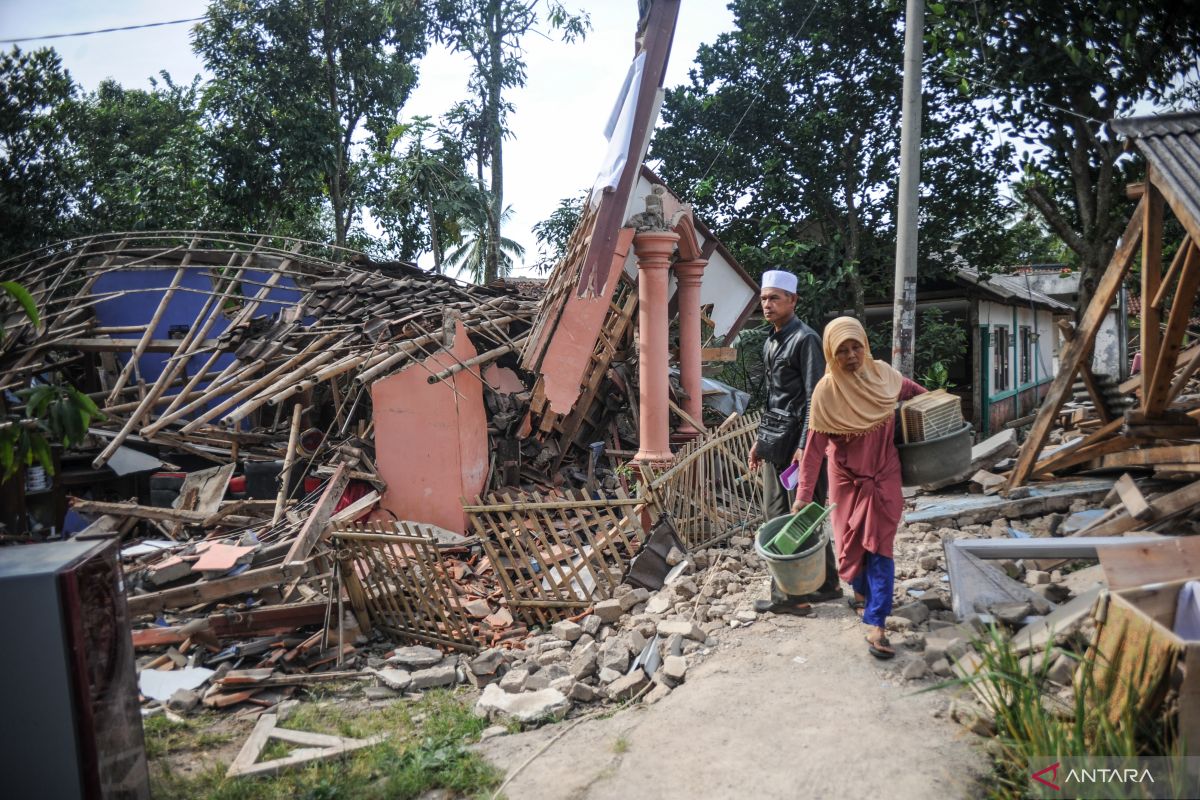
[(557, 556), (709, 490), (398, 575)]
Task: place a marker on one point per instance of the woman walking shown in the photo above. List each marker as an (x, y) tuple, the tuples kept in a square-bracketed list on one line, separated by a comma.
[(852, 424)]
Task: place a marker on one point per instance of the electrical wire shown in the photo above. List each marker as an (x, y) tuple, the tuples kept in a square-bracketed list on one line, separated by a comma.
[(100, 30)]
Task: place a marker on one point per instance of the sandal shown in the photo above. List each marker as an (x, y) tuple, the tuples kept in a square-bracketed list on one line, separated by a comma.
[(881, 648), (857, 606)]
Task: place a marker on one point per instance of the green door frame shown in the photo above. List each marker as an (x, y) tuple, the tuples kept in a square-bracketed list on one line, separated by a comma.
[(985, 361)]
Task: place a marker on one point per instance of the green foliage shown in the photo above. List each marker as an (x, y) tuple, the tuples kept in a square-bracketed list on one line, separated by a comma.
[(420, 190), (295, 86), (19, 293), (938, 377), (940, 342), (53, 411), (787, 141), (470, 257), (140, 158), (1030, 726), (1052, 76), (35, 182), (490, 33), (554, 231)]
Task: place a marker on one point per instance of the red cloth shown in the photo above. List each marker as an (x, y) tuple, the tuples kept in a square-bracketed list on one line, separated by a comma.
[(864, 486)]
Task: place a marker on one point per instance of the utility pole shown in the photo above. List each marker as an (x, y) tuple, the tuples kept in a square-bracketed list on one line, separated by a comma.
[(904, 314)]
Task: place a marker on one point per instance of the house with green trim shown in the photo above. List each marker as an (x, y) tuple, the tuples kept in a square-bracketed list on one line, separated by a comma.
[(1012, 341)]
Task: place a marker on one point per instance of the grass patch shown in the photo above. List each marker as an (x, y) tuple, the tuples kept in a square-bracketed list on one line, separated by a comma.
[(1029, 727), (164, 736), (425, 750), (621, 745)]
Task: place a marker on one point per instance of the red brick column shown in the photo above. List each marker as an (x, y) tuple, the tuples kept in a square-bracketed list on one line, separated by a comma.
[(689, 274)]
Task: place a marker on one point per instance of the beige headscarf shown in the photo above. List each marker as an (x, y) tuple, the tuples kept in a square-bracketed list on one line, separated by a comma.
[(852, 402)]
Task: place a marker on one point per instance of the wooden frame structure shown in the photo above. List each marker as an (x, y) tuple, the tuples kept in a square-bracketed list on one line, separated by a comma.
[(556, 557), (401, 580), (1171, 146), (709, 491)]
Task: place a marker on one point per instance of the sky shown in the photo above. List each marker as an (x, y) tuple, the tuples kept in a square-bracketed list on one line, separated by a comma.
[(557, 142)]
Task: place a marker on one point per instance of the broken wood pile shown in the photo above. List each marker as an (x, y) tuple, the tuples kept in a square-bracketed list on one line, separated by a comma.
[(1160, 431)]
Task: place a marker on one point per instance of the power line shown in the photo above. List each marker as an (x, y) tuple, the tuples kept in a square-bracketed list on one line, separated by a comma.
[(100, 30)]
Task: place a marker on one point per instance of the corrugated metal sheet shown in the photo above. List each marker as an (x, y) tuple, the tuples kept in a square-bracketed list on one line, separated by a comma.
[(1010, 288), (1171, 144)]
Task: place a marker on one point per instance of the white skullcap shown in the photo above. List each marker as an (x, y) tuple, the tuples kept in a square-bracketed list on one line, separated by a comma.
[(778, 279)]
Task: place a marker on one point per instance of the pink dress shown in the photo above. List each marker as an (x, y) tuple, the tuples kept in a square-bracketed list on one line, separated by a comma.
[(864, 486)]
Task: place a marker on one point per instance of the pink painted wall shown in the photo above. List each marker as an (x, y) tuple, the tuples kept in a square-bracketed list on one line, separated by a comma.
[(574, 340), (431, 444)]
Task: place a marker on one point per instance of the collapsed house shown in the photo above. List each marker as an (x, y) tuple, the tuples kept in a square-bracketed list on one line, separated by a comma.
[(289, 428)]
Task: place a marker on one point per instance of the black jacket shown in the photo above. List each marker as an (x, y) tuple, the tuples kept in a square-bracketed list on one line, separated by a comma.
[(794, 363)]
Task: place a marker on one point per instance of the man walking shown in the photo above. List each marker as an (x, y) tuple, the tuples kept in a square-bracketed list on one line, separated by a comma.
[(794, 363)]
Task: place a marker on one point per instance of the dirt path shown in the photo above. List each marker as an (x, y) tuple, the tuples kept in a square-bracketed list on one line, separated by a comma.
[(786, 708)]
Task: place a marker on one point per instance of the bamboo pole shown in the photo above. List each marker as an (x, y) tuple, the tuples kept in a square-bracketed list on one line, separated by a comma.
[(288, 460)]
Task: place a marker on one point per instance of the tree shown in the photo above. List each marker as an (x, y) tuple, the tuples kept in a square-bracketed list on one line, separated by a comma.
[(1052, 75), (35, 179), (141, 158), (555, 231), (297, 84), (490, 32), (787, 138), (470, 257), (420, 190)]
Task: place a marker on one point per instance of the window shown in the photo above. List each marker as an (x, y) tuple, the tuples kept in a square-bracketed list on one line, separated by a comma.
[(1026, 354), (1001, 349)]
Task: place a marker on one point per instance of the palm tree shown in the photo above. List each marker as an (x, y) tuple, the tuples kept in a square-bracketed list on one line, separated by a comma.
[(470, 257)]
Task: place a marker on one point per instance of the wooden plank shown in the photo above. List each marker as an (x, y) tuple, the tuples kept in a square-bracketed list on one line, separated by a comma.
[(208, 591), (1137, 563), (157, 514), (1152, 213), (1093, 390), (1188, 453), (1179, 500), (718, 354), (318, 519), (1135, 504), (1079, 347), (1156, 399), (1172, 272)]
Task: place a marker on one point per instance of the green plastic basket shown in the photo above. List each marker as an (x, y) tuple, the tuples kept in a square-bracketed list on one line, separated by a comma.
[(797, 530)]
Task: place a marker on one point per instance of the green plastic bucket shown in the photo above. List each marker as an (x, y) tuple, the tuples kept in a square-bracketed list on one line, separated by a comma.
[(800, 573)]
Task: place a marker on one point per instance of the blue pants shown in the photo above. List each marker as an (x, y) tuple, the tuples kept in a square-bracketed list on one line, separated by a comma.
[(875, 581)]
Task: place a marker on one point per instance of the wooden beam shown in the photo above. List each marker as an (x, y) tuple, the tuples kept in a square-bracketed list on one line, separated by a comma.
[(318, 519), (160, 514), (1093, 390), (208, 591), (1062, 457), (1079, 347), (718, 354), (1172, 272), (1135, 504), (1190, 224), (1152, 221), (1155, 400), (1185, 454), (1178, 500), (1162, 560)]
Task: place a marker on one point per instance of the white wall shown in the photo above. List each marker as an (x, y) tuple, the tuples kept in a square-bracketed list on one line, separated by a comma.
[(1044, 352)]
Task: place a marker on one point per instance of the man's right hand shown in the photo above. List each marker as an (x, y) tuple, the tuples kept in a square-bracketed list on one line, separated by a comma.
[(754, 459)]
